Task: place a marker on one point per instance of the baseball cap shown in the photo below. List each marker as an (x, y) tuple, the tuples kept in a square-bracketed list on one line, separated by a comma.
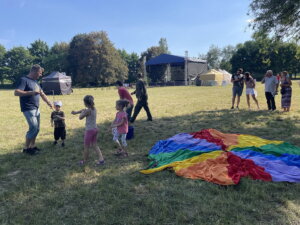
[(57, 103)]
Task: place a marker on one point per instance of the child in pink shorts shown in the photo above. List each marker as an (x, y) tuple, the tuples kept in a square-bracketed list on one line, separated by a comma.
[(91, 129), (120, 127)]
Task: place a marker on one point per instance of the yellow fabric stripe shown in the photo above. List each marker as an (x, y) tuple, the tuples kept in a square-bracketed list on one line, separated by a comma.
[(249, 141), (185, 163)]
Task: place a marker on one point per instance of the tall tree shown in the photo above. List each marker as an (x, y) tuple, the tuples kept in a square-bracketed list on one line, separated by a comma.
[(3, 68), (276, 16), (94, 60), (163, 45), (39, 50), (133, 64), (213, 57), (57, 59), (227, 53), (19, 61)]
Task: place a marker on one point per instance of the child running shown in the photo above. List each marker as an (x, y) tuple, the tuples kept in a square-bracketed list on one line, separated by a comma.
[(58, 119), (120, 127), (91, 129)]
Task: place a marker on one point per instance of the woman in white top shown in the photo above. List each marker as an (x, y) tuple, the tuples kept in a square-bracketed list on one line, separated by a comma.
[(250, 89)]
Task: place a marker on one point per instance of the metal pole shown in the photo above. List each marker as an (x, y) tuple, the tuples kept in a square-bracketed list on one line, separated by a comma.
[(185, 68), (145, 70)]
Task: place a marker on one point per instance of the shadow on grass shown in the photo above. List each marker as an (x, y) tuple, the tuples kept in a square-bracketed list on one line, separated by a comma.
[(50, 188)]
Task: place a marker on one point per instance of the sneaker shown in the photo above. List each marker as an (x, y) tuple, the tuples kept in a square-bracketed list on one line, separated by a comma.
[(29, 151), (37, 149), (237, 107), (63, 144), (232, 107), (55, 143), (149, 119)]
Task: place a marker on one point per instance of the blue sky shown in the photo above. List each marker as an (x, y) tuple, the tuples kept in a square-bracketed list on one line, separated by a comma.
[(133, 25)]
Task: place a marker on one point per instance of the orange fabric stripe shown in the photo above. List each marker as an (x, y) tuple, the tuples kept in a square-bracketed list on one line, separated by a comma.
[(228, 139), (212, 170)]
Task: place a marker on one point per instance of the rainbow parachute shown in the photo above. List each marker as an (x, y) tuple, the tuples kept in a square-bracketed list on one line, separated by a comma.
[(225, 158)]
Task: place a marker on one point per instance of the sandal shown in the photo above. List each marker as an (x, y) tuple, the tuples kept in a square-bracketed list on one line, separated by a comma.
[(100, 163), (118, 152)]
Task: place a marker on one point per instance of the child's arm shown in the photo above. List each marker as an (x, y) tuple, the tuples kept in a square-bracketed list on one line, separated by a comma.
[(61, 117), (118, 124), (77, 112), (51, 120), (84, 113)]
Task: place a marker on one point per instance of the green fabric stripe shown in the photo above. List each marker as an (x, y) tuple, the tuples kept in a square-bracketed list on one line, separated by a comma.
[(167, 158), (273, 149)]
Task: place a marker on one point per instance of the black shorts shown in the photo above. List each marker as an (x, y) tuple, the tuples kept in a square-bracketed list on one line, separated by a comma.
[(60, 132)]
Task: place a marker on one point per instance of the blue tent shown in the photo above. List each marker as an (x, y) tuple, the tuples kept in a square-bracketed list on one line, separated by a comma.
[(172, 59)]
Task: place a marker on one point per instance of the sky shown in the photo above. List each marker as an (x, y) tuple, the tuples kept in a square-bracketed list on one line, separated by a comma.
[(132, 25)]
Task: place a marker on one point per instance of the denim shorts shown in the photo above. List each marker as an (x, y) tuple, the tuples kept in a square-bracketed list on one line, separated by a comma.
[(33, 120), (237, 91)]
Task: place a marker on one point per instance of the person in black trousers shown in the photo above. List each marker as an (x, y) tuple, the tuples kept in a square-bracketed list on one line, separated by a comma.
[(141, 95), (271, 89)]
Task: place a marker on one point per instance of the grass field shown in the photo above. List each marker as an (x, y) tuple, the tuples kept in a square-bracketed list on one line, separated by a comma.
[(50, 188)]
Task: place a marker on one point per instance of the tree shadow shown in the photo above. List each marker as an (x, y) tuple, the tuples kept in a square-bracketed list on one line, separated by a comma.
[(51, 188)]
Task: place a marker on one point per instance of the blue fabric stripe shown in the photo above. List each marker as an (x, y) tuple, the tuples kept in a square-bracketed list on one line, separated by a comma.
[(283, 168), (183, 141)]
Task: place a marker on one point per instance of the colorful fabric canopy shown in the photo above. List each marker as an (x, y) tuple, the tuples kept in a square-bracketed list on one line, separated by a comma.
[(225, 158)]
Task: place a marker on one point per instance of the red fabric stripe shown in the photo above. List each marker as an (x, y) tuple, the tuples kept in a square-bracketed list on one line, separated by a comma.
[(239, 168), (205, 134)]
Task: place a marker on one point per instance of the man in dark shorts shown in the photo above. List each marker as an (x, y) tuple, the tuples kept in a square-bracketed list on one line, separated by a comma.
[(125, 95), (141, 95), (30, 92), (238, 85)]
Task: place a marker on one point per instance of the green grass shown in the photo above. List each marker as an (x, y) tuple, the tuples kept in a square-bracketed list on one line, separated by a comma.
[(50, 188)]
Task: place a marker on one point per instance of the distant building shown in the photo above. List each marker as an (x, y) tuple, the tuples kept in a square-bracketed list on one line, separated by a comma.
[(173, 67)]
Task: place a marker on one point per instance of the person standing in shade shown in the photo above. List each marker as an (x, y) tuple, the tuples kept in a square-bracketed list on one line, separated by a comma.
[(286, 91), (30, 92), (237, 89), (271, 89), (141, 95), (124, 95)]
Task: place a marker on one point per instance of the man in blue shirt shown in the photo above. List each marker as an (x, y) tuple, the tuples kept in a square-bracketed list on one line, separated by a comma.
[(30, 92)]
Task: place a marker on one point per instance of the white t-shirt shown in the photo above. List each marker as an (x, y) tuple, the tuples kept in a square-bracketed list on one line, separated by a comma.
[(270, 84), (90, 122)]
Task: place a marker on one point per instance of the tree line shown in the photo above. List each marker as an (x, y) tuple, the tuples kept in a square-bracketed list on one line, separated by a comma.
[(256, 56), (90, 58)]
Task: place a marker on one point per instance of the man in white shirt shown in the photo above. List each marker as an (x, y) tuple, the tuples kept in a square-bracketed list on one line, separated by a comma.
[(271, 89)]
